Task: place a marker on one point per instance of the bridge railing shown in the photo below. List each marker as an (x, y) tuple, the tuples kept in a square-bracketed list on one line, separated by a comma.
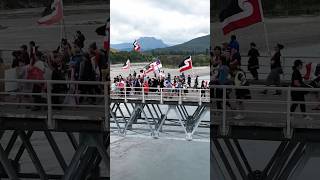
[(162, 95), (47, 97), (264, 110), (286, 62), (82, 99)]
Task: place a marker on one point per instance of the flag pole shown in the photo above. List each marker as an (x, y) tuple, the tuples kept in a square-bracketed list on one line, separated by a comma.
[(265, 28), (63, 22)]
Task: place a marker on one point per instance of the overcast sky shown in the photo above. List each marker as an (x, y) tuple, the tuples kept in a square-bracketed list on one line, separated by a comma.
[(173, 21)]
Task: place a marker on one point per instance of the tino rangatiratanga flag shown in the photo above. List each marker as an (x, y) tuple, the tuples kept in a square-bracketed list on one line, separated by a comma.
[(105, 31), (236, 14), (136, 46), (52, 14), (186, 64), (126, 65)]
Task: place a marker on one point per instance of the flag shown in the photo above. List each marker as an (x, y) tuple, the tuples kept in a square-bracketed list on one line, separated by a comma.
[(136, 46), (157, 65), (311, 71), (105, 31), (236, 14), (52, 14), (149, 68), (126, 65), (186, 64)]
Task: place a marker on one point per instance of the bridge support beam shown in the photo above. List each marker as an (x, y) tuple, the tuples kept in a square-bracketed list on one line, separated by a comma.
[(287, 162), (90, 150), (156, 117)]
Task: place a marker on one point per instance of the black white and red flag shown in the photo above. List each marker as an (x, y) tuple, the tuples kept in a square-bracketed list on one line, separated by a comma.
[(236, 14), (105, 31), (186, 64), (126, 66), (136, 46), (52, 14)]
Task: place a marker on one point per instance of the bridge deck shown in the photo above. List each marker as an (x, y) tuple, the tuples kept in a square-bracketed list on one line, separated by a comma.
[(265, 117), (71, 119)]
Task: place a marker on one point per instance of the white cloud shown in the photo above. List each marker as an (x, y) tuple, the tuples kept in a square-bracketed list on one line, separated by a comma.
[(173, 21)]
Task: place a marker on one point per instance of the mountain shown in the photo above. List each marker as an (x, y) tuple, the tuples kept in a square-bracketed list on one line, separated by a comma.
[(146, 43), (200, 44)]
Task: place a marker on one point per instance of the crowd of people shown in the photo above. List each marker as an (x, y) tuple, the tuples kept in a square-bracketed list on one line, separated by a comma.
[(70, 61), (137, 82), (226, 70)]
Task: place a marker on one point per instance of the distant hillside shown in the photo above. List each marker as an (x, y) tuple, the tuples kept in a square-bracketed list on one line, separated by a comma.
[(147, 43), (197, 45)]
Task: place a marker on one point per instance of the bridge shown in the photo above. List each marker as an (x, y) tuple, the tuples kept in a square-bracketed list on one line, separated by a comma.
[(131, 111), (84, 127), (161, 111), (267, 118)]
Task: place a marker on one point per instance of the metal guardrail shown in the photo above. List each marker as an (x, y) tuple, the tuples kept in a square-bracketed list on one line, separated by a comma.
[(161, 95), (269, 106), (286, 62), (46, 95)]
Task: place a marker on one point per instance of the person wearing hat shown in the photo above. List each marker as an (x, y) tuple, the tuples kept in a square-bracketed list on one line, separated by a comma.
[(253, 62), (296, 81), (276, 69)]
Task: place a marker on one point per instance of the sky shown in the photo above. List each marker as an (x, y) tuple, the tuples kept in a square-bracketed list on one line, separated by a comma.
[(173, 21)]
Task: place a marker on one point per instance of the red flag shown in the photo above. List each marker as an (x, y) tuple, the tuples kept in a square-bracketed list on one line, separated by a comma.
[(186, 64), (52, 14), (238, 14)]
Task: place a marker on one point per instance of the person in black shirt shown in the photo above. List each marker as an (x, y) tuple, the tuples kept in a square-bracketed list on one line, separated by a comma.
[(276, 69), (25, 55), (79, 39), (189, 80), (253, 62), (296, 81)]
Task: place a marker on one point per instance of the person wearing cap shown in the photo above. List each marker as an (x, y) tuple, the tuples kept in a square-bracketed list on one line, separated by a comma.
[(297, 81), (253, 62), (276, 69)]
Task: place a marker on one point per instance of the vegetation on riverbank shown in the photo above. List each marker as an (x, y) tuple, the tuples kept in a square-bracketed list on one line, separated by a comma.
[(167, 60)]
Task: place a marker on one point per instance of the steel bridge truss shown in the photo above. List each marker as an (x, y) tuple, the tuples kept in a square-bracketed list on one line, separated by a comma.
[(156, 118), (90, 154), (229, 161)]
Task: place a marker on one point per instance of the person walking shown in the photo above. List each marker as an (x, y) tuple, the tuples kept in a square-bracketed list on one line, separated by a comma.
[(276, 70), (298, 96), (253, 62)]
